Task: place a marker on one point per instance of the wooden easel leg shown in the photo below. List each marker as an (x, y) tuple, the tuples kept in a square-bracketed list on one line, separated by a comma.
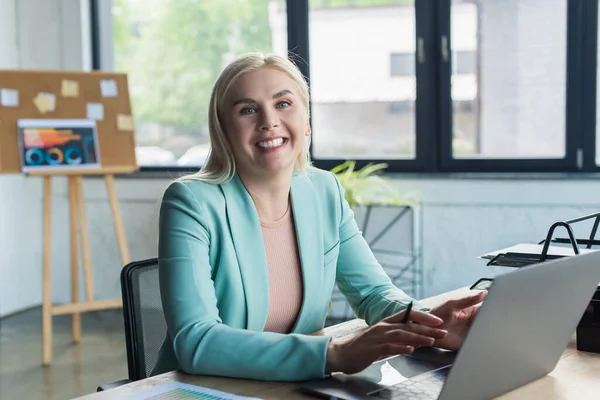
[(74, 256), (47, 276), (85, 243), (114, 205)]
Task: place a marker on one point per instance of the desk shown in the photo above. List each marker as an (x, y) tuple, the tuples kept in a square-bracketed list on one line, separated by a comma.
[(577, 375)]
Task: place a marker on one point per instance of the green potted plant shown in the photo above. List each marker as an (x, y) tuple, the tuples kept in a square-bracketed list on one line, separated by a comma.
[(365, 187)]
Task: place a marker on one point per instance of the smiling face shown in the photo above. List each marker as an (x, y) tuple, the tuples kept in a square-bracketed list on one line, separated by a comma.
[(266, 122)]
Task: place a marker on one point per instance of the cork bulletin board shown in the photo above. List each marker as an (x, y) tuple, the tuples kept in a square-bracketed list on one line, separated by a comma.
[(102, 97)]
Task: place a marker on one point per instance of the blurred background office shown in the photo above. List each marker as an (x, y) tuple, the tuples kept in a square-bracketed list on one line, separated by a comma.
[(483, 110)]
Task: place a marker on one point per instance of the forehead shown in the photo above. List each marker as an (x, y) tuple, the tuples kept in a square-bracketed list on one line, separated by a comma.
[(262, 82)]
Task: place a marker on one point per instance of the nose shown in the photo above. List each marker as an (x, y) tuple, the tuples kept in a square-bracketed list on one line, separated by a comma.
[(269, 120)]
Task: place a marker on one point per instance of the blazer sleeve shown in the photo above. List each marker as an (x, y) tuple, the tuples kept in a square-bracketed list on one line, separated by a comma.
[(360, 277), (201, 342)]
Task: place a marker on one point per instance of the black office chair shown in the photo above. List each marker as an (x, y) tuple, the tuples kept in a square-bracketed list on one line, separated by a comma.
[(145, 325)]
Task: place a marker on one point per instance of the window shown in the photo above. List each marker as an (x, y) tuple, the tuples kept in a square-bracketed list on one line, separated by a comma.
[(402, 64), (465, 62), (431, 86), (517, 97), (354, 83), (173, 51)]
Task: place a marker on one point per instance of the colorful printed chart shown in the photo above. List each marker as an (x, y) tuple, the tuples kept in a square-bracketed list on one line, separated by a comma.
[(181, 391)]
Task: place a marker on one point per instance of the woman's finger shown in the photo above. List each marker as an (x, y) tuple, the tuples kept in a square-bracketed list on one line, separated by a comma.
[(401, 336), (392, 349), (467, 301), (421, 317), (425, 318), (425, 330), (384, 328)]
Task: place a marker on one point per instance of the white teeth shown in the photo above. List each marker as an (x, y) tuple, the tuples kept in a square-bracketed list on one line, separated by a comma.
[(270, 143)]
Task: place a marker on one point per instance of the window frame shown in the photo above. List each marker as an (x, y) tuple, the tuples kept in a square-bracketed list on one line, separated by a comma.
[(573, 128), (433, 135), (299, 49)]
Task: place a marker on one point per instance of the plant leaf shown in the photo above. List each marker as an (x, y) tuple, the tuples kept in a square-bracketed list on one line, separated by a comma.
[(366, 187), (372, 169)]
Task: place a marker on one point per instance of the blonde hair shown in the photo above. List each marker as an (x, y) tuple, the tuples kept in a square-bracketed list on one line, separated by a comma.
[(220, 165)]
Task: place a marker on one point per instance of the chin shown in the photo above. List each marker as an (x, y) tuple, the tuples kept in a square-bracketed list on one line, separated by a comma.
[(278, 166)]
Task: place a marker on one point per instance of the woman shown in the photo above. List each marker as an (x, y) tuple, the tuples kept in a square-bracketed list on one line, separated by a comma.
[(251, 246)]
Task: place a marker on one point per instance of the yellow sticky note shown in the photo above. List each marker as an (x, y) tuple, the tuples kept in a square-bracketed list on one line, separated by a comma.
[(45, 102), (70, 88), (124, 122)]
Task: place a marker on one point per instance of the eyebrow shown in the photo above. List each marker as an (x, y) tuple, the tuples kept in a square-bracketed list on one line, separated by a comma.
[(247, 100)]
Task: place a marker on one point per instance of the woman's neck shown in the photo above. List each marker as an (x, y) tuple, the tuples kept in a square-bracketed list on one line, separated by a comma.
[(271, 197)]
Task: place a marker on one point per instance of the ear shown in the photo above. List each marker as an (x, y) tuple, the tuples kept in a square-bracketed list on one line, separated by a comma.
[(308, 130)]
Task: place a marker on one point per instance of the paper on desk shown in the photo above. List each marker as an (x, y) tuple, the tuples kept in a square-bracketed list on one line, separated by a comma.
[(344, 331), (536, 249), (181, 391), (390, 376)]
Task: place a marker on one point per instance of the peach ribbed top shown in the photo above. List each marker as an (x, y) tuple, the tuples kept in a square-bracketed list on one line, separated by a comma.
[(285, 273)]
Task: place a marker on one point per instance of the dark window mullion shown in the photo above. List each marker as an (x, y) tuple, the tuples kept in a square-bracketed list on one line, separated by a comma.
[(298, 34), (95, 34), (426, 71), (589, 83), (575, 88), (298, 41), (443, 78)]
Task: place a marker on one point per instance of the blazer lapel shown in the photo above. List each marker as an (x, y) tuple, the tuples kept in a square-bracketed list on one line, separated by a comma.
[(246, 232), (310, 245)]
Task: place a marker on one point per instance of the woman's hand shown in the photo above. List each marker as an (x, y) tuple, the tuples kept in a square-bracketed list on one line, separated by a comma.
[(458, 315), (387, 338)]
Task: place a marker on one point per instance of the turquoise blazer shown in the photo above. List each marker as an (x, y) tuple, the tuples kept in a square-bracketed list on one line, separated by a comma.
[(215, 287)]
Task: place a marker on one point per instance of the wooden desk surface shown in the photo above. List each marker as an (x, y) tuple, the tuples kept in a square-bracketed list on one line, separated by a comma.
[(576, 376)]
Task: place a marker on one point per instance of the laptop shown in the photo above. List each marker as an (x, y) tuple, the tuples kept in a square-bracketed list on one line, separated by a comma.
[(518, 336)]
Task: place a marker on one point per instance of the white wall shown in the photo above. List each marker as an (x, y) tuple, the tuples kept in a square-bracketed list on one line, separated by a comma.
[(43, 34), (462, 217)]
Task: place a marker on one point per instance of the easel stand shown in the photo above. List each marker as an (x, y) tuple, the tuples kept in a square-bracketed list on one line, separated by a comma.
[(56, 96), (78, 230)]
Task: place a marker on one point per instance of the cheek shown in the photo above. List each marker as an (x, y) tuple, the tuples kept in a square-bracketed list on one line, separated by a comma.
[(298, 123), (240, 131)]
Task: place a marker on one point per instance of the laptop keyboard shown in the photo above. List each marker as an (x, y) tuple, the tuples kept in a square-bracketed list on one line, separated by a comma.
[(422, 387)]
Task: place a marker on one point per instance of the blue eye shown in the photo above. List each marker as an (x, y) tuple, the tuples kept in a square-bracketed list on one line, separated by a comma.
[(247, 111), (283, 103)]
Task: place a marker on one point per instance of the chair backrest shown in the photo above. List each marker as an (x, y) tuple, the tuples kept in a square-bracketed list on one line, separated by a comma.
[(145, 326)]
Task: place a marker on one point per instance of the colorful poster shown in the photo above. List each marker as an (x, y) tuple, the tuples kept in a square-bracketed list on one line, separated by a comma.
[(51, 144)]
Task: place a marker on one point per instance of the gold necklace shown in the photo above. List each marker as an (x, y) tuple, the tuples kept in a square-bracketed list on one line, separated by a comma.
[(280, 218)]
